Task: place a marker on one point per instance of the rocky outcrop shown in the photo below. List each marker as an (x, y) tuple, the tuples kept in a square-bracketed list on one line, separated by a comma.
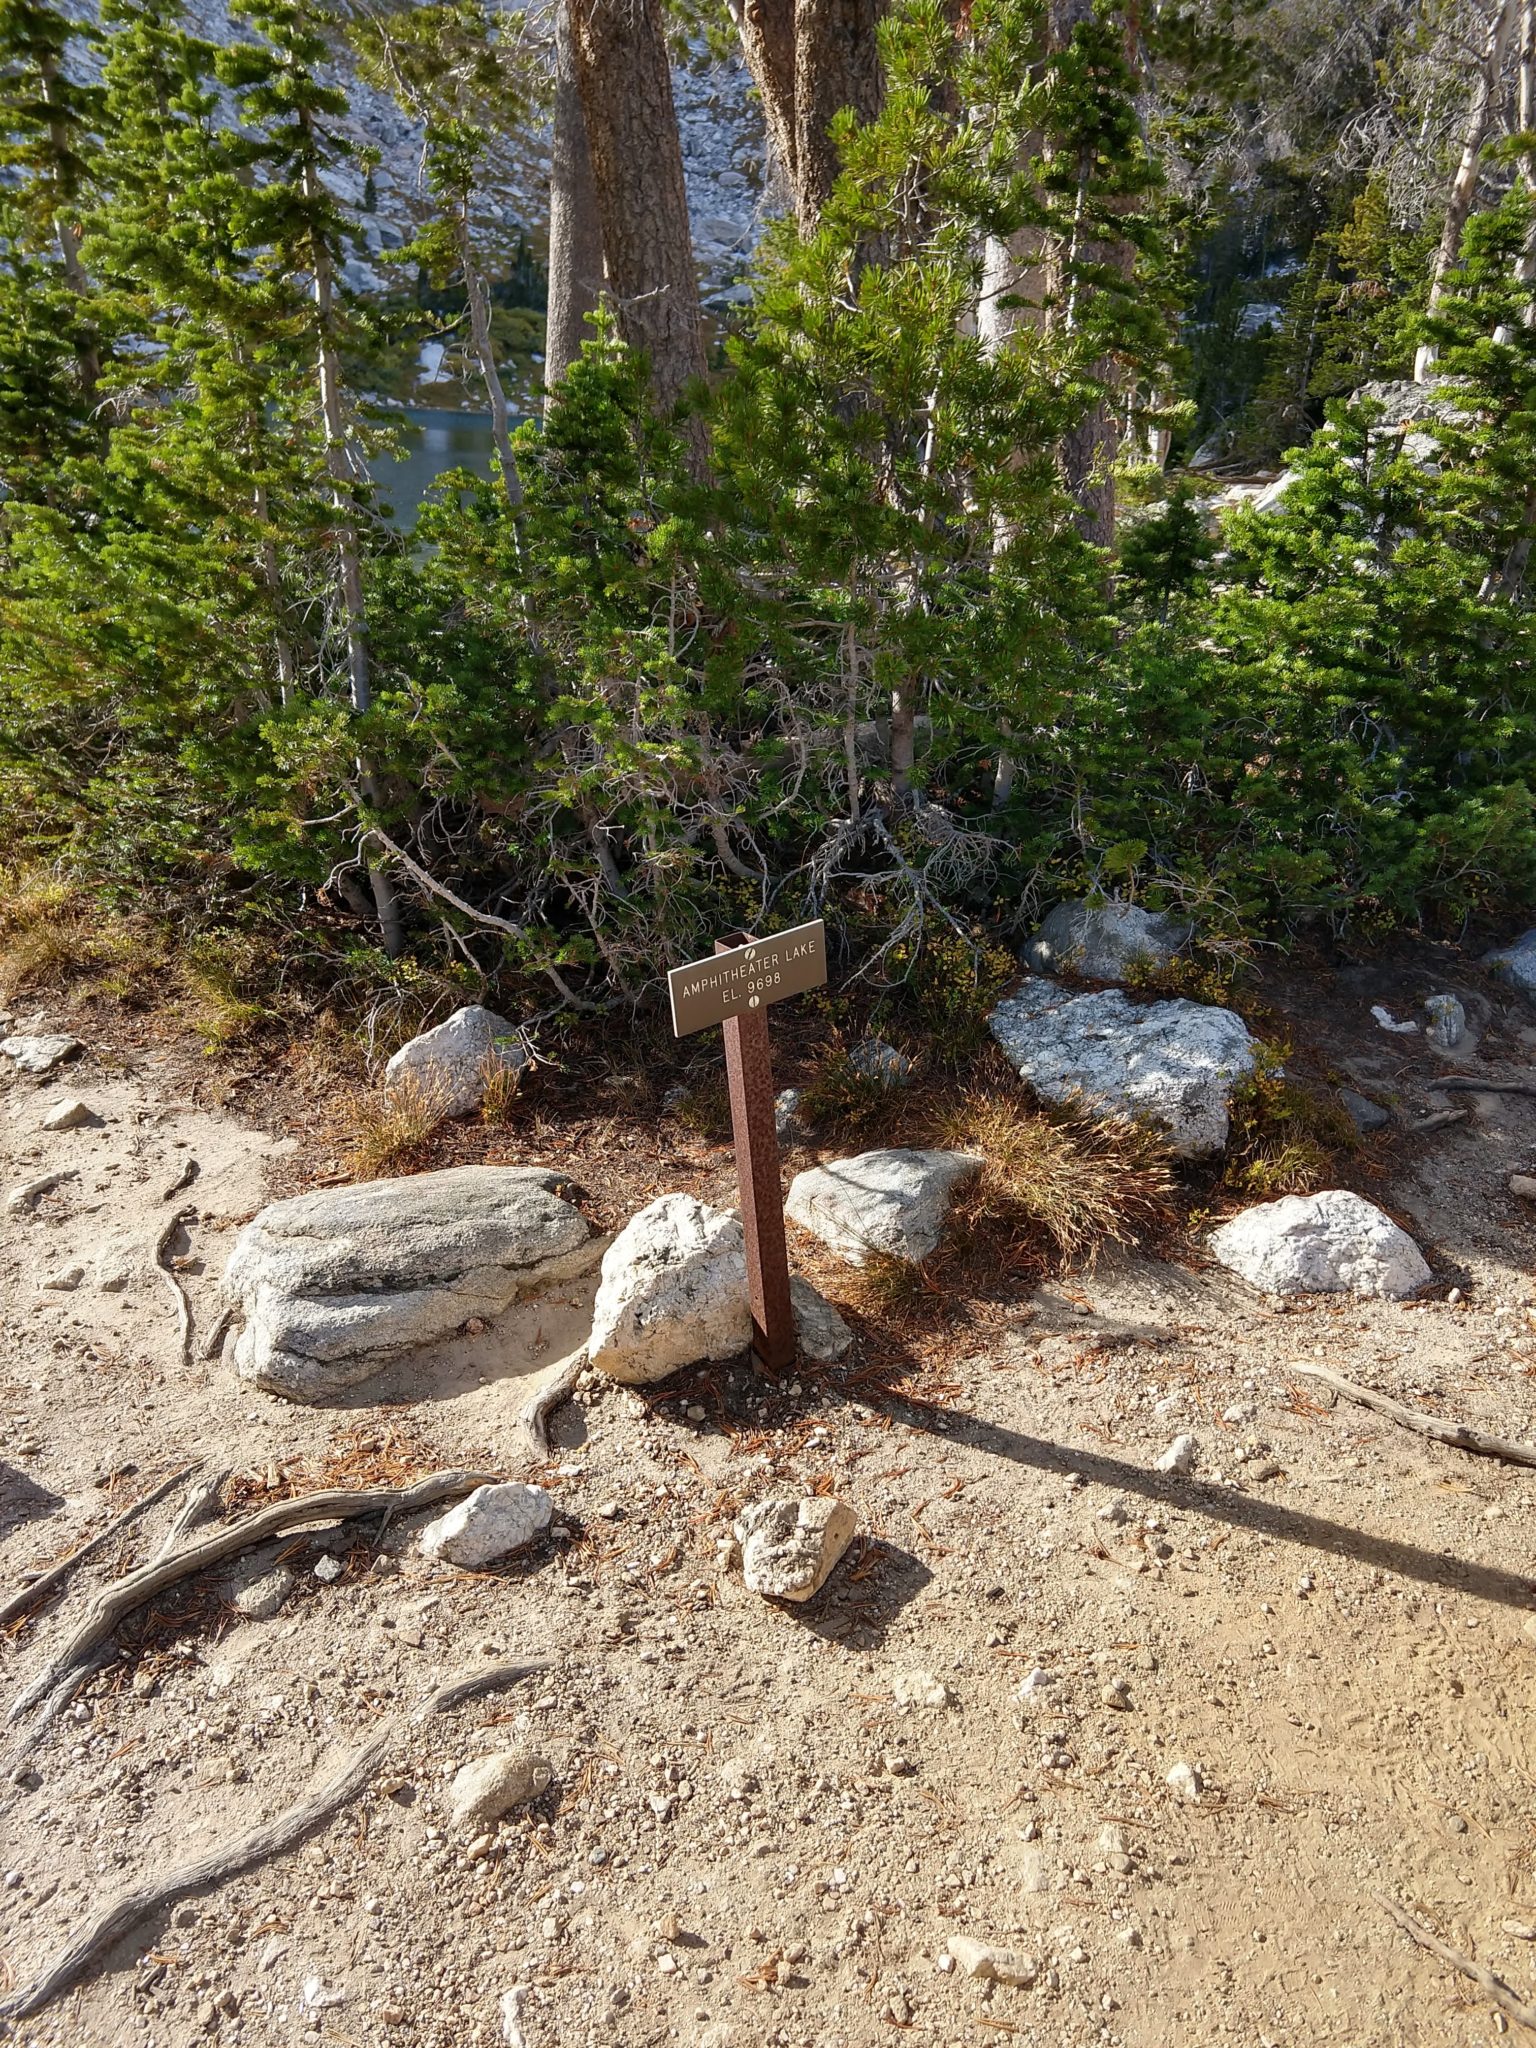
[(1173, 1063), (892, 1202), (1105, 941), (458, 1057), (332, 1285), (1332, 1243)]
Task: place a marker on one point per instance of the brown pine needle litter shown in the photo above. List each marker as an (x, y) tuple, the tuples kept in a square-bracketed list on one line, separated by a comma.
[(1081, 1182)]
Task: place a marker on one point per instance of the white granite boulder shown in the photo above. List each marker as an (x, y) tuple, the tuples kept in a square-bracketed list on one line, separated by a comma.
[(39, 1053), (673, 1292), (1173, 1063), (459, 1055), (789, 1547), (1514, 963), (334, 1284), (892, 1202), (491, 1523), (1332, 1243), (1104, 941)]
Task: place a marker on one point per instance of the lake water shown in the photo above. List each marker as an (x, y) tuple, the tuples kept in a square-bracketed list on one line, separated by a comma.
[(438, 441)]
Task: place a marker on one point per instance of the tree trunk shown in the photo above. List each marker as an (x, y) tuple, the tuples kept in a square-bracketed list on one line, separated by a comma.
[(1464, 185), (575, 235), (67, 232), (625, 80), (767, 32), (837, 65), (348, 551)]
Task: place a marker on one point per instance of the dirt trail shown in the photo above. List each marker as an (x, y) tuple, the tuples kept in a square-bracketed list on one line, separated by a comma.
[(749, 1840)]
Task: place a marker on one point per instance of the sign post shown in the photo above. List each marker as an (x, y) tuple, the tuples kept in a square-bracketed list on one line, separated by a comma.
[(735, 989)]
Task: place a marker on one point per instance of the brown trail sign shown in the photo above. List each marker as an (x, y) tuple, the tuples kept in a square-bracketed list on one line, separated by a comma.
[(735, 989)]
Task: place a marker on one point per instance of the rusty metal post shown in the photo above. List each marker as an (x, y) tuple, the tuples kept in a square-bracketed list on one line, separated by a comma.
[(749, 1072)]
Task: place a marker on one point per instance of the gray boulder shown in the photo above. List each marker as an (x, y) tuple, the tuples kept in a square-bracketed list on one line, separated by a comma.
[(892, 1202), (1174, 1063), (1365, 1114), (39, 1053), (459, 1055), (1104, 941), (1514, 963), (881, 1063), (334, 1284), (1332, 1243), (673, 1292)]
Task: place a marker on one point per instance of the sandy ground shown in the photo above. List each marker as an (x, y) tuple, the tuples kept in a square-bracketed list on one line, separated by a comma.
[(750, 1837)]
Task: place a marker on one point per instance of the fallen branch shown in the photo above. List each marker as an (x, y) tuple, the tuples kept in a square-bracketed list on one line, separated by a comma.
[(469, 1685), (268, 1838), (46, 1580), (184, 1179), (557, 1384), (1457, 1434), (1439, 1121), (110, 1606), (183, 1304), (1509, 2002), (1470, 1084), (220, 1331)]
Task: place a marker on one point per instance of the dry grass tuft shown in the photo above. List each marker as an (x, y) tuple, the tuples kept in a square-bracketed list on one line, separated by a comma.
[(847, 1103), (886, 1289), (501, 1084), (50, 932), (1085, 1182), (389, 1129), (214, 968)]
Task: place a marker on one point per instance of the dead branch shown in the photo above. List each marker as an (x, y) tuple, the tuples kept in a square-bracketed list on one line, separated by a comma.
[(220, 1331), (1508, 2002), (1471, 1084), (1458, 1435), (268, 1838), (195, 1509), (183, 1304), (110, 1606), (556, 1385), (184, 1179), (55, 1573), (469, 1685)]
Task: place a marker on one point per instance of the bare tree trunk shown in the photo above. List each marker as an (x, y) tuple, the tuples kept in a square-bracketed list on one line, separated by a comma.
[(625, 80), (69, 238), (479, 303), (837, 65), (575, 233), (348, 551), (767, 32), (1464, 185)]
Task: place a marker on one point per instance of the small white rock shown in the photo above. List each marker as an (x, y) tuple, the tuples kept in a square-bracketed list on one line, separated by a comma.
[(328, 1569), (789, 1547), (1184, 1781), (69, 1115), (1182, 1455), (919, 1689), (492, 1523), (65, 1282), (984, 1960), (40, 1053), (263, 1597), (483, 1790)]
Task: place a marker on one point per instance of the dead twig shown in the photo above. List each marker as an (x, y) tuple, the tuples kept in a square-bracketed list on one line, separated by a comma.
[(268, 1838), (55, 1573), (184, 1179), (556, 1384), (1509, 2002), (220, 1331), (183, 1304), (1459, 1435), (470, 1685), (111, 1605)]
